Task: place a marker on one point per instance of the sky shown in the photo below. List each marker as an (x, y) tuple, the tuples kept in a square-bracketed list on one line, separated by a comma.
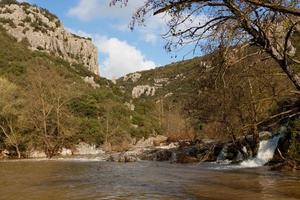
[(121, 51)]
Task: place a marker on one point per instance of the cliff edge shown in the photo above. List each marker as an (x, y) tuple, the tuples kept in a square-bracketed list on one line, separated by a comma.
[(44, 32)]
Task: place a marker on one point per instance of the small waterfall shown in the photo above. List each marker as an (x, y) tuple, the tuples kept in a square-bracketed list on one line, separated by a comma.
[(265, 153)]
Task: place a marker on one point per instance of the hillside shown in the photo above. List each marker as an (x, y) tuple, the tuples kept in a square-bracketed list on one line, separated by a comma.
[(48, 102), (52, 97), (203, 95), (43, 31)]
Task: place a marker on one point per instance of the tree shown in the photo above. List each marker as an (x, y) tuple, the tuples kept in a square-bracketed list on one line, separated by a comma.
[(219, 24), (48, 111), (10, 114), (235, 103)]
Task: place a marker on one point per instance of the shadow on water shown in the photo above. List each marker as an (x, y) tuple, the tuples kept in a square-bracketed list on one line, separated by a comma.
[(47, 180)]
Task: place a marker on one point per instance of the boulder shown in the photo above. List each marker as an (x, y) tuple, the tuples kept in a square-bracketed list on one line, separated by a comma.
[(151, 141), (4, 154), (123, 157), (265, 135), (185, 158), (37, 154), (66, 152)]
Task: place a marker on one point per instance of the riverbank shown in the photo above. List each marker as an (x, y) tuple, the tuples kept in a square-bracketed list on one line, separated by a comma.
[(272, 151)]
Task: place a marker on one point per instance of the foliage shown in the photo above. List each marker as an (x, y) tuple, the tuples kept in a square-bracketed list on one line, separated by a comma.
[(294, 148), (204, 100), (7, 21), (215, 24), (11, 115), (60, 109)]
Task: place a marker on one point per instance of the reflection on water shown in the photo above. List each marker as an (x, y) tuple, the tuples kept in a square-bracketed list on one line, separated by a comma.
[(45, 180)]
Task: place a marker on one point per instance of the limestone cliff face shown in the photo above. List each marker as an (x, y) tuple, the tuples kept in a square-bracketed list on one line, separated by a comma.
[(44, 32)]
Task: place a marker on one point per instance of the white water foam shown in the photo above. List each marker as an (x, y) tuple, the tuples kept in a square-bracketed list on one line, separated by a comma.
[(265, 153), (86, 149)]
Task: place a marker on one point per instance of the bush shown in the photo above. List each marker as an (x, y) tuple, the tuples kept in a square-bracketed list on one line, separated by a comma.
[(8, 21), (8, 2)]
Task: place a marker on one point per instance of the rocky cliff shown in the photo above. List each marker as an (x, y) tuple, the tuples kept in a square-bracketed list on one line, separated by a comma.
[(43, 31)]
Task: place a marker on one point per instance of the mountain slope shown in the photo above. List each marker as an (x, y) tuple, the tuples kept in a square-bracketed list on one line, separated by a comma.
[(210, 93), (61, 104), (44, 32)]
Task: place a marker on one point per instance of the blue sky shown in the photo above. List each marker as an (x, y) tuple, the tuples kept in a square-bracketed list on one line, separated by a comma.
[(121, 51)]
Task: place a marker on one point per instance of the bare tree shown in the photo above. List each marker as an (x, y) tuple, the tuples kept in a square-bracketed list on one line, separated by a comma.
[(234, 103), (10, 117), (48, 111), (268, 24)]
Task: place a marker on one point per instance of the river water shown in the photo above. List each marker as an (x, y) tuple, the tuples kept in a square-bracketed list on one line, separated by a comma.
[(58, 180)]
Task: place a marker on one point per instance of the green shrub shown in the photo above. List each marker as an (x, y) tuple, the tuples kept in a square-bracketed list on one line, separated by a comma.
[(27, 19), (8, 2), (8, 21)]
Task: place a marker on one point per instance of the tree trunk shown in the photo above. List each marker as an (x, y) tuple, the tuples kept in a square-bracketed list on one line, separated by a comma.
[(255, 133), (292, 75), (18, 151), (256, 140)]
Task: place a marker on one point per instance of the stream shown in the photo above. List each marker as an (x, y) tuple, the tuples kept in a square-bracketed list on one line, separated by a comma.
[(84, 179)]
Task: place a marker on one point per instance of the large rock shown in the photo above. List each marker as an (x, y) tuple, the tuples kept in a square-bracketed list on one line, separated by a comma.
[(140, 90), (151, 141), (123, 157), (4, 154), (44, 32), (36, 154), (134, 77), (187, 152)]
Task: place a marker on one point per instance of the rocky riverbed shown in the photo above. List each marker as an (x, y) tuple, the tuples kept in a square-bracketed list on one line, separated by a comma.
[(272, 150)]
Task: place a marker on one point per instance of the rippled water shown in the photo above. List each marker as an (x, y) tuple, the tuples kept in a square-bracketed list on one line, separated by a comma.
[(56, 180)]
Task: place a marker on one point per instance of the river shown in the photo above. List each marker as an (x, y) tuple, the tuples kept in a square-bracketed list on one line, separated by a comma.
[(58, 180)]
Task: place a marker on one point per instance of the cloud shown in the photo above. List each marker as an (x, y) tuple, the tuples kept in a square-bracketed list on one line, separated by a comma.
[(87, 10), (120, 57), (155, 26)]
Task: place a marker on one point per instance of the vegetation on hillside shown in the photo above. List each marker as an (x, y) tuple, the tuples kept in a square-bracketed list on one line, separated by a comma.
[(235, 95), (46, 105), (206, 101), (237, 90)]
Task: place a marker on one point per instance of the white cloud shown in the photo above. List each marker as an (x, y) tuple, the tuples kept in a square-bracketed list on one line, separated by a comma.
[(87, 10), (117, 58), (154, 26), (90, 9), (121, 58)]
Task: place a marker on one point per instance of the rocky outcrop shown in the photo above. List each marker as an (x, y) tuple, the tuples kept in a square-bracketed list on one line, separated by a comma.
[(4, 154), (43, 31), (36, 154), (134, 77), (151, 141), (90, 80), (143, 90), (130, 105), (143, 150)]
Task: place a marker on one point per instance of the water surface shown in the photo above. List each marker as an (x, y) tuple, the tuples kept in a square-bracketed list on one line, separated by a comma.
[(57, 180)]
